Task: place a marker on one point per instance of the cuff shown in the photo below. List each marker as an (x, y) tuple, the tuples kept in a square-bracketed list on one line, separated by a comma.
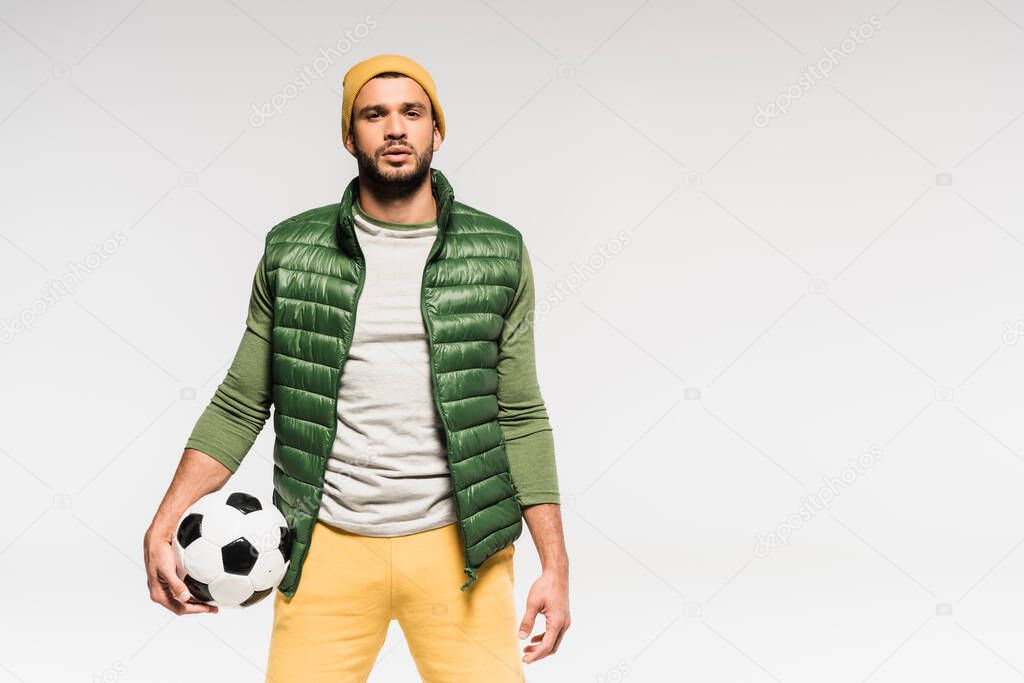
[(230, 461), (537, 497)]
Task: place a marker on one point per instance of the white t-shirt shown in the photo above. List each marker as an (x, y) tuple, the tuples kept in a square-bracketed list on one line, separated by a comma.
[(388, 473)]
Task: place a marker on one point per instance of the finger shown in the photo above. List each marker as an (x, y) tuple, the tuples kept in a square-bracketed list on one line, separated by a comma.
[(209, 608), (175, 586), (558, 640), (166, 602), (526, 626), (192, 601), (544, 648), (535, 642), (189, 605), (200, 608)]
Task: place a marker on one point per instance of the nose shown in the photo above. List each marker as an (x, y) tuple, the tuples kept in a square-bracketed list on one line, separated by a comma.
[(394, 126)]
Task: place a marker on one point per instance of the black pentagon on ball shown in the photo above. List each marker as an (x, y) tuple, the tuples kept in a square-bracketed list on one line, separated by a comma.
[(256, 597), (189, 529), (199, 590), (285, 546), (244, 503), (239, 557)]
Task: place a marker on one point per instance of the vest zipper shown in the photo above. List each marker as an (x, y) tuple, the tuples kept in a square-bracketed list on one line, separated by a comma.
[(470, 572), (344, 352), (337, 388)]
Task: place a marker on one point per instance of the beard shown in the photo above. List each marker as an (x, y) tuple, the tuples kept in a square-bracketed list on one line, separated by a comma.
[(393, 183)]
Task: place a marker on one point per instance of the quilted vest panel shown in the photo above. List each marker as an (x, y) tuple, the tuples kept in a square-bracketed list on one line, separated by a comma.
[(316, 272)]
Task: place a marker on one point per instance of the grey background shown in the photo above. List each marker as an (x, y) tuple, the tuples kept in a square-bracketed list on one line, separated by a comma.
[(792, 295)]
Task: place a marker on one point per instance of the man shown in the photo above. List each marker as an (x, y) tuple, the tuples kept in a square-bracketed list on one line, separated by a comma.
[(393, 334)]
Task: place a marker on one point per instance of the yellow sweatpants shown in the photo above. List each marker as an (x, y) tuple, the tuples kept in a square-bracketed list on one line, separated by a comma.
[(352, 586)]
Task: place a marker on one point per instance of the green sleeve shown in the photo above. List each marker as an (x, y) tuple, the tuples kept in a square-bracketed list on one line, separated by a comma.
[(240, 407), (521, 411)]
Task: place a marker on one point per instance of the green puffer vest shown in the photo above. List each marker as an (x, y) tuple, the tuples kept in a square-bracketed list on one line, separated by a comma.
[(316, 272)]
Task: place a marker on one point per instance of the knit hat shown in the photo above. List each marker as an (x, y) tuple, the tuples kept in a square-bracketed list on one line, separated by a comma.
[(358, 75)]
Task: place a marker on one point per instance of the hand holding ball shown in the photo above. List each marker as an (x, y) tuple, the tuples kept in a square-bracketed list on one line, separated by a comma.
[(232, 549)]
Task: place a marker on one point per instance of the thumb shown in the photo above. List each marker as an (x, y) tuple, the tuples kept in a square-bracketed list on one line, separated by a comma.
[(177, 587), (526, 626)]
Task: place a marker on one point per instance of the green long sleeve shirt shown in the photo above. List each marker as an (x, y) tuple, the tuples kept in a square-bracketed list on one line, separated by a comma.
[(240, 407)]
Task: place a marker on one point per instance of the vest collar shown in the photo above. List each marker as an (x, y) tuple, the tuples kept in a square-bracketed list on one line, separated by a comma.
[(346, 234)]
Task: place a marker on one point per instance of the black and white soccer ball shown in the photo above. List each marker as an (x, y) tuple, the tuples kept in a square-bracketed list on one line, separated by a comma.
[(232, 548)]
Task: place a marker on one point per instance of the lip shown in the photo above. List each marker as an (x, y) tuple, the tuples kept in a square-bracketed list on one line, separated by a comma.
[(398, 152)]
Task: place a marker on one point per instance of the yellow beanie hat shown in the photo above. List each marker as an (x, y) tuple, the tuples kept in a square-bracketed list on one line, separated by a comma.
[(358, 75)]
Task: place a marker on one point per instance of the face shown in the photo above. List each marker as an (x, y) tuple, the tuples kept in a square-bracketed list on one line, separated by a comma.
[(392, 134)]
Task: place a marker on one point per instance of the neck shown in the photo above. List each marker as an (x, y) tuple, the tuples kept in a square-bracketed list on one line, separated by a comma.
[(409, 208)]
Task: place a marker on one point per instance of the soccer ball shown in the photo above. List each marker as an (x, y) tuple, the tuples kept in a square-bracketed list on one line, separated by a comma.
[(232, 549)]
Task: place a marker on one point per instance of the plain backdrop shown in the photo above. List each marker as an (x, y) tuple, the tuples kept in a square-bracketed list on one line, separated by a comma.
[(780, 291)]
